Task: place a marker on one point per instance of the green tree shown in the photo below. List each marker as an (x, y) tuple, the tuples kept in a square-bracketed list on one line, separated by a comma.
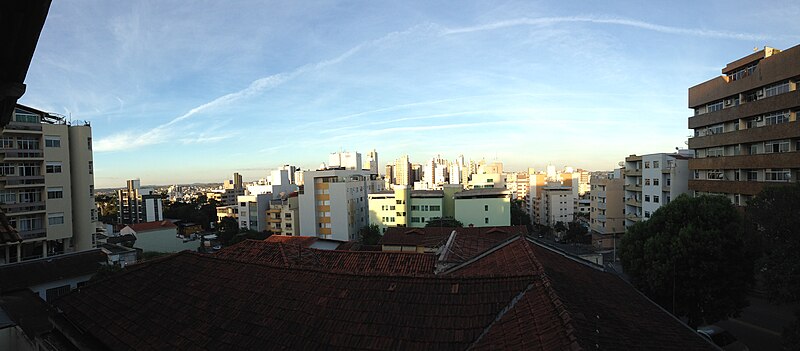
[(577, 234), (693, 257), (227, 230), (444, 222), (518, 214), (775, 216), (370, 235)]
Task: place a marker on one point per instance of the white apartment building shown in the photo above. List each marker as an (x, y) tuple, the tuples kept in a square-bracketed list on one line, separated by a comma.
[(252, 213), (487, 207), (333, 203), (345, 159), (278, 182), (371, 162), (652, 181), (46, 186), (402, 171), (555, 203)]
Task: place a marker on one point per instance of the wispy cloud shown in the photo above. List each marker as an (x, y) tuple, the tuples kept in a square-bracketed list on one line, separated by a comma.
[(547, 21)]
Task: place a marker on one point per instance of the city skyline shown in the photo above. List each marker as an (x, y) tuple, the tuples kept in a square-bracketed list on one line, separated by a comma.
[(184, 95)]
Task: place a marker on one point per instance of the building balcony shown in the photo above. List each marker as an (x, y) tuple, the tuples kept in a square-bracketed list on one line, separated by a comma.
[(33, 234), (22, 155), (601, 205), (601, 218), (23, 182), (750, 135), (759, 161), (783, 101), (25, 128), (23, 208), (666, 188), (633, 187), (633, 217), (633, 202), (731, 187), (274, 220), (633, 172)]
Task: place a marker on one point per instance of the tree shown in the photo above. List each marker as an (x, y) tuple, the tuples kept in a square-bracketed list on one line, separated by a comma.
[(775, 215), (577, 234), (444, 222), (228, 228), (518, 215), (693, 257), (370, 235)]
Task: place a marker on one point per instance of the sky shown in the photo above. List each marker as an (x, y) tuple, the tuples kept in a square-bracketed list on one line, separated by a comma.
[(183, 92)]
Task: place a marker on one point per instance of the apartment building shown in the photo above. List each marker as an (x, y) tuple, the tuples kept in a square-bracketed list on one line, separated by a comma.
[(554, 203), (252, 213), (46, 186), (401, 171), (138, 205), (606, 211), (519, 184), (404, 207), (652, 181), (333, 202), (745, 126), (345, 159), (283, 216), (487, 207), (231, 189)]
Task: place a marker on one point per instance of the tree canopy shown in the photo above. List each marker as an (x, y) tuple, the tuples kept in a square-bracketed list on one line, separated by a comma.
[(577, 234), (775, 215), (693, 257), (370, 235), (444, 222), (228, 228)]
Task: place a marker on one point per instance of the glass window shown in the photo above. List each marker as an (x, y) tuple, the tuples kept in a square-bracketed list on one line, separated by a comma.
[(778, 88), (55, 218), (52, 141), (776, 118), (53, 167), (776, 146), (777, 175), (55, 193)]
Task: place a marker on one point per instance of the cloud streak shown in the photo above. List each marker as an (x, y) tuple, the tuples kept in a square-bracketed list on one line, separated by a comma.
[(549, 21)]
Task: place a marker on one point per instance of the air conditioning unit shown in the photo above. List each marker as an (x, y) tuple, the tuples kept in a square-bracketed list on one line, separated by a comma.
[(760, 93), (728, 102), (759, 118)]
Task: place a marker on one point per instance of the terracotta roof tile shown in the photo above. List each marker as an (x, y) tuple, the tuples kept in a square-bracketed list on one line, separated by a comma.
[(304, 241)]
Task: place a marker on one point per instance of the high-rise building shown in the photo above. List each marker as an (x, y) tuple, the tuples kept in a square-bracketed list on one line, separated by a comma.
[(138, 205), (345, 159), (652, 181), (402, 171), (371, 163), (46, 186), (333, 203), (745, 126), (554, 203), (606, 212)]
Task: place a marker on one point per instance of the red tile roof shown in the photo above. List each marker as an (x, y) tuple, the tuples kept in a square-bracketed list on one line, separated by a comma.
[(202, 302), (285, 255), (258, 295), (304, 241), (471, 239), (148, 226)]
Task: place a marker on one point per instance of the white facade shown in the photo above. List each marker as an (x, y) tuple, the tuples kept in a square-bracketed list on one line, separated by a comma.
[(652, 181), (253, 211), (333, 204), (345, 159), (555, 204)]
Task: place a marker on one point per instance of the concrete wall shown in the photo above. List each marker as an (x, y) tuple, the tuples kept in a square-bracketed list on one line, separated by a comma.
[(163, 240), (484, 212)]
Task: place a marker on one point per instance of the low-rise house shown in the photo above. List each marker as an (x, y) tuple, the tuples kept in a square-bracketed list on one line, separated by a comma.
[(52, 277), (159, 237)]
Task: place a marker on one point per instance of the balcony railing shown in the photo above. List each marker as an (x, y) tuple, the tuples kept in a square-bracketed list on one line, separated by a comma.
[(633, 202), (633, 172), (11, 155), (33, 234), (18, 208), (633, 187), (633, 217), (20, 181)]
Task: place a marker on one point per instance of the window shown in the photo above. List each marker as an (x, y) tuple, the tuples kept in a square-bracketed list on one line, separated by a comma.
[(414, 207), (55, 218), (656, 199), (647, 164), (752, 175), (647, 181), (777, 175), (28, 144), (6, 169), (91, 190), (30, 195), (655, 164), (713, 107), (655, 181), (89, 142), (435, 208), (754, 149), (715, 152), (91, 167), (776, 146), (486, 220), (646, 214), (7, 143), (486, 207), (414, 219), (8, 197), (647, 198), (53, 167), (391, 208), (26, 117), (777, 118), (52, 141), (776, 89), (55, 193), (716, 129)]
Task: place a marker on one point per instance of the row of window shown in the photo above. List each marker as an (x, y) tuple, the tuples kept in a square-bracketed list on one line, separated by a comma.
[(748, 96), (769, 175), (426, 208)]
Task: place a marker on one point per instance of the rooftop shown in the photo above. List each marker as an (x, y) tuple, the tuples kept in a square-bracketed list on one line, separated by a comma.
[(31, 273), (482, 192), (150, 226)]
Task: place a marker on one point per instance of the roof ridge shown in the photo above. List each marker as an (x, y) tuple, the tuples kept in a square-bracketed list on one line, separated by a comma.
[(502, 313), (283, 255), (481, 255)]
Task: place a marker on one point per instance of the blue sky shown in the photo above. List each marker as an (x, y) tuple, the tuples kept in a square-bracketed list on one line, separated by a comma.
[(181, 92)]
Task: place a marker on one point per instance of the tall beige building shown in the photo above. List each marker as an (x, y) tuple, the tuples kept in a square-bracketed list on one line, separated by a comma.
[(46, 186), (402, 171), (606, 214)]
